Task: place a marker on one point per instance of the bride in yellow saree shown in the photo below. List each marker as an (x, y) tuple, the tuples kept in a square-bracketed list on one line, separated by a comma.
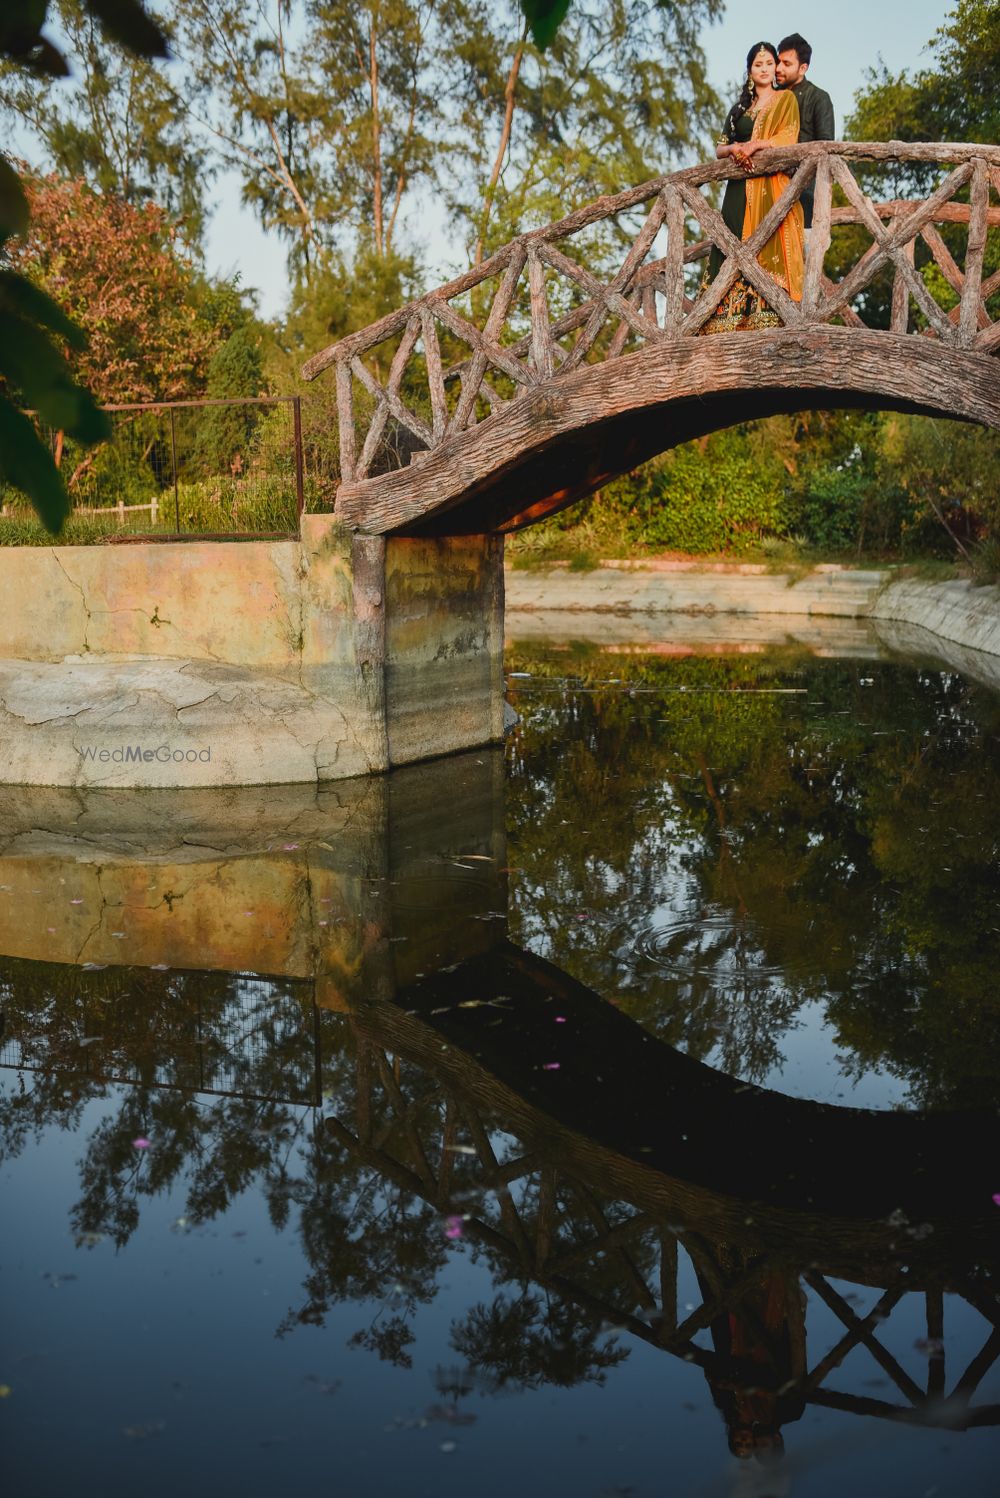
[(762, 116)]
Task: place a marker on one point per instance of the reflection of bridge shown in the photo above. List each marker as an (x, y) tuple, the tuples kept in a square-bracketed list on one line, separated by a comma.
[(587, 1209), (600, 1187), (505, 394)]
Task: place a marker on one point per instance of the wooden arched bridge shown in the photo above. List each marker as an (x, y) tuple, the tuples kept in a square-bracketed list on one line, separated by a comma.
[(537, 376)]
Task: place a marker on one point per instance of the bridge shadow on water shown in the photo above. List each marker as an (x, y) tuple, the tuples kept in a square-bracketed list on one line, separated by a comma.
[(408, 1052)]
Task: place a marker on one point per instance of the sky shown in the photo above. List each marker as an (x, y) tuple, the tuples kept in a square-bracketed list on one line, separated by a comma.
[(847, 37)]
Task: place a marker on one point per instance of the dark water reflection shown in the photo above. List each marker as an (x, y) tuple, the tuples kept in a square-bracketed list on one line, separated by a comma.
[(736, 850), (367, 1138)]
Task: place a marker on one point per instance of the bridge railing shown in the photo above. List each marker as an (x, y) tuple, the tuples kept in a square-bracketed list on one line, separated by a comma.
[(553, 299)]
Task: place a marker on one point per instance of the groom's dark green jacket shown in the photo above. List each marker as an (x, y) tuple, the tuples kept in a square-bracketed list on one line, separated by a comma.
[(815, 123)]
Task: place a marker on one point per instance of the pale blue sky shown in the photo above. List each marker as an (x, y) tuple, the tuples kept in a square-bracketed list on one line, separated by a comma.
[(847, 37)]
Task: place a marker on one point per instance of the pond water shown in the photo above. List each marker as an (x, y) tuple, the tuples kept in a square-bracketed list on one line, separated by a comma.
[(618, 1114)]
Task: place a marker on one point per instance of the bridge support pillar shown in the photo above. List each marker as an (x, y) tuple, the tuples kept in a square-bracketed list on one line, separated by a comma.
[(443, 644)]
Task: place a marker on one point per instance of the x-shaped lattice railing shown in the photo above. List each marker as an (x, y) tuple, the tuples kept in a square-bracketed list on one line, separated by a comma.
[(517, 332)]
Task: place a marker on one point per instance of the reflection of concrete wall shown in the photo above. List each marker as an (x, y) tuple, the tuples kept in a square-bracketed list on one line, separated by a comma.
[(362, 885), (208, 663)]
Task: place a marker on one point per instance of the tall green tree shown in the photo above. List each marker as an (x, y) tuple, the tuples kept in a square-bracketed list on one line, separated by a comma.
[(953, 98), (620, 94)]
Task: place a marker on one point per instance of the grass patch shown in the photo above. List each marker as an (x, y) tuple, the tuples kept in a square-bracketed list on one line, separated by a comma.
[(931, 569), (223, 506)]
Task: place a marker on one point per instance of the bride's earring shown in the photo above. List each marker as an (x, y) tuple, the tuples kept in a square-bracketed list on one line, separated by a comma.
[(752, 87)]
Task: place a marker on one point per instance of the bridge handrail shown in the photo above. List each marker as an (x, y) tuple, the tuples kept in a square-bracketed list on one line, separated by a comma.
[(631, 295)]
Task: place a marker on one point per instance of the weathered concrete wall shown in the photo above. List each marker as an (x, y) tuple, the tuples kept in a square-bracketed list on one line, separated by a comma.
[(444, 644), (747, 589), (957, 612), (209, 663)]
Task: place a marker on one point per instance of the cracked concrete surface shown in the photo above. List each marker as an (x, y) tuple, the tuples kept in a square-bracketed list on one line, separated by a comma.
[(209, 663), (137, 721)]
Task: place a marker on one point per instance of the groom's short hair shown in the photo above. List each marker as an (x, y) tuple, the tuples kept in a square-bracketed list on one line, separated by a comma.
[(797, 44)]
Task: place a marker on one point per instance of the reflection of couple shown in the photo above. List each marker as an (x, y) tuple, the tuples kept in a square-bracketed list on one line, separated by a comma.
[(777, 107)]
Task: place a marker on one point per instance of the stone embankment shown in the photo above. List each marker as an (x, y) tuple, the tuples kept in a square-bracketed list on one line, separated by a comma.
[(954, 621), (336, 655)]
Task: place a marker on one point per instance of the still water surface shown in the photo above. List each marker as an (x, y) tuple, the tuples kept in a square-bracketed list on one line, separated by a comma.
[(615, 1116)]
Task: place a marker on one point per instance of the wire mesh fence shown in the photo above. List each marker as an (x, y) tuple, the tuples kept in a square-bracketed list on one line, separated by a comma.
[(182, 469)]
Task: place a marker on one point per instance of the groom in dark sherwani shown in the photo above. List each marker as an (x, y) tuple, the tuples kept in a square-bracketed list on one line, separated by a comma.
[(816, 120)]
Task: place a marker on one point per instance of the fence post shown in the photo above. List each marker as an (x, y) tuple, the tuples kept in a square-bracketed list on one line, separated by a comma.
[(154, 510), (173, 459), (300, 488)]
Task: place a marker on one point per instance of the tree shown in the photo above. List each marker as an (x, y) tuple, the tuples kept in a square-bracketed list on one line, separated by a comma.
[(236, 369), (117, 121), (948, 470), (116, 271), (953, 99), (32, 369), (620, 91)]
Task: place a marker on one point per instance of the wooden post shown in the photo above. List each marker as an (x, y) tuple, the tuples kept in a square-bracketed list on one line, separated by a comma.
[(900, 317), (819, 236), (673, 274), (345, 413), (968, 322), (541, 336)]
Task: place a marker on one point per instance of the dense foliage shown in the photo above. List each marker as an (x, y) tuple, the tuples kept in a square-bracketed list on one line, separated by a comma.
[(114, 269)]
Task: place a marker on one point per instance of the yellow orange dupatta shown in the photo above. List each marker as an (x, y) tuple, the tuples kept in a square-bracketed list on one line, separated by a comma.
[(783, 257)]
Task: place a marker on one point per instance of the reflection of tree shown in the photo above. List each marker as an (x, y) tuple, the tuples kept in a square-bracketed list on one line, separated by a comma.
[(525, 1341), (169, 1035), (713, 856)]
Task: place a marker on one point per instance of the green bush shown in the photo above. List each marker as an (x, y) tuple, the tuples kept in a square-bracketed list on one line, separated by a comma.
[(829, 508), (712, 499)]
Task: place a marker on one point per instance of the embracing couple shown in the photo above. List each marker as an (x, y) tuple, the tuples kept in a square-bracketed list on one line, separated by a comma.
[(778, 106)]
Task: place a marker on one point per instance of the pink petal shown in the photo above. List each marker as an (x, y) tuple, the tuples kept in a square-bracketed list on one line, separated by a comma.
[(140, 1143), (551, 1066), (996, 1198), (453, 1227)]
